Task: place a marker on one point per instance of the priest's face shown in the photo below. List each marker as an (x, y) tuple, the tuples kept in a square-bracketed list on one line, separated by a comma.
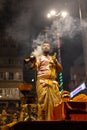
[(46, 48)]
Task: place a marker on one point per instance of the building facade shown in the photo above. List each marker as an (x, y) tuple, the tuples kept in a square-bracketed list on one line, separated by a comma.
[(11, 69)]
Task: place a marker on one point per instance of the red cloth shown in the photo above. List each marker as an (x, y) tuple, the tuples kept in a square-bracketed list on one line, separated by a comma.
[(70, 111)]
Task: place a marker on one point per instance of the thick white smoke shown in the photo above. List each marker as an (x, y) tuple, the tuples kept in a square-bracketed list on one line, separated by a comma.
[(37, 51), (68, 27)]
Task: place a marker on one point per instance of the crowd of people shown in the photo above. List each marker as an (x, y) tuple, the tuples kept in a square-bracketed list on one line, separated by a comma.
[(6, 117)]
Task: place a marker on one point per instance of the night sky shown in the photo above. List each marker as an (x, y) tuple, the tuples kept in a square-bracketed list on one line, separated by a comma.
[(23, 20)]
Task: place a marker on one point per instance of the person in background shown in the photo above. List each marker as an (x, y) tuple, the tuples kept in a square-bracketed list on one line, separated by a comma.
[(3, 117), (47, 88), (65, 96)]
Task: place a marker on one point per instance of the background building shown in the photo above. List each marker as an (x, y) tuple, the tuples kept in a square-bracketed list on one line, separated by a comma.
[(11, 69), (78, 79), (77, 72)]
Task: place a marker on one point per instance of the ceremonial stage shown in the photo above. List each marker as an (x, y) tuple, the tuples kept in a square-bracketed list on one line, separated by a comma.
[(66, 116), (47, 125)]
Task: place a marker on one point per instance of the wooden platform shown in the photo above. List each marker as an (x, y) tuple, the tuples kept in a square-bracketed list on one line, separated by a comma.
[(47, 125)]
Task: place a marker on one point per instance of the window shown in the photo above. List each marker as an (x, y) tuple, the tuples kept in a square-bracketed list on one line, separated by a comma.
[(9, 93), (18, 76), (11, 76), (1, 75)]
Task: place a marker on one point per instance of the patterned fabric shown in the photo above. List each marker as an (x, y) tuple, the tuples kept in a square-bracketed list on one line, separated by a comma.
[(46, 67)]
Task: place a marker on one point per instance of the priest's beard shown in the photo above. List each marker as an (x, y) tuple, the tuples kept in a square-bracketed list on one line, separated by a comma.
[(46, 52)]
